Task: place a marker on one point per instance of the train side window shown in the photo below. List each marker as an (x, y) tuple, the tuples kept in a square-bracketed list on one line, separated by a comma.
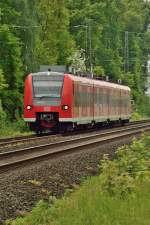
[(97, 96)]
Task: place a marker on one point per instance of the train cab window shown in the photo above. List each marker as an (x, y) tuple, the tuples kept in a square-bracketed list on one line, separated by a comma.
[(47, 89)]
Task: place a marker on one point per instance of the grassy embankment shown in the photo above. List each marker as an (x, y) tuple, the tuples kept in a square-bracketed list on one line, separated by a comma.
[(118, 196), (14, 129)]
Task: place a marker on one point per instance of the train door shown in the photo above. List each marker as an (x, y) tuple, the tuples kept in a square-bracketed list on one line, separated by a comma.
[(76, 101), (91, 96), (120, 102), (109, 102), (96, 103), (89, 102), (107, 96), (85, 101), (122, 105)]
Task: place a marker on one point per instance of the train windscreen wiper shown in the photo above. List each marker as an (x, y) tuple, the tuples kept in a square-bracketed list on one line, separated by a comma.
[(48, 96)]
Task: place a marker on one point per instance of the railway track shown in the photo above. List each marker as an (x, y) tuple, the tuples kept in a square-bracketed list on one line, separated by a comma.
[(39, 152), (25, 139)]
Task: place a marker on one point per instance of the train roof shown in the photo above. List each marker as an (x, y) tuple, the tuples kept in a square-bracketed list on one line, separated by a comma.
[(47, 73), (98, 82), (85, 80)]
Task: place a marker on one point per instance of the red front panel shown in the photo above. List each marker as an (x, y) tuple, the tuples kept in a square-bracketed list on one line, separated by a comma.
[(66, 99)]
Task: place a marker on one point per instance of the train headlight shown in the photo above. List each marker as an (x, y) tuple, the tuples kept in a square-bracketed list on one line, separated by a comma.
[(65, 107), (29, 107)]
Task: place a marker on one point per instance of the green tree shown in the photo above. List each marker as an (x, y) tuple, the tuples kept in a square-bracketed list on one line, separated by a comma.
[(2, 81), (54, 43), (10, 55), (3, 85)]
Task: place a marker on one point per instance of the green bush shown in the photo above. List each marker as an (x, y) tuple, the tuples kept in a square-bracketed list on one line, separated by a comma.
[(14, 128), (130, 167), (21, 125), (136, 116), (2, 117), (12, 103)]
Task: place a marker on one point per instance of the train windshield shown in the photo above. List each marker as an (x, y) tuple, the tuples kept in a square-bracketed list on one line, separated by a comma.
[(47, 89)]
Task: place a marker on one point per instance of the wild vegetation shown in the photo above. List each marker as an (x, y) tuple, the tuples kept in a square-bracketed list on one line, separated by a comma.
[(119, 195), (113, 34)]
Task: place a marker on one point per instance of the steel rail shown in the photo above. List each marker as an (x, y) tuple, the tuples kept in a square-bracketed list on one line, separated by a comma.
[(15, 138), (24, 139), (33, 137), (18, 157)]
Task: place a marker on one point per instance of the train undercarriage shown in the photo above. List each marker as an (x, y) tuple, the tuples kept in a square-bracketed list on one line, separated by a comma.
[(46, 122)]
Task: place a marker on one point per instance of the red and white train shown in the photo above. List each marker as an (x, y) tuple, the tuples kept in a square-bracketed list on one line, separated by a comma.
[(58, 101)]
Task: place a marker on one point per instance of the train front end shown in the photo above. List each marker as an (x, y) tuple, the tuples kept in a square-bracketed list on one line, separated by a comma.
[(46, 100)]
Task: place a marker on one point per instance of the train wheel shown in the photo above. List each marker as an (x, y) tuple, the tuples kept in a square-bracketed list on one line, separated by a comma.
[(123, 122), (66, 127), (39, 132)]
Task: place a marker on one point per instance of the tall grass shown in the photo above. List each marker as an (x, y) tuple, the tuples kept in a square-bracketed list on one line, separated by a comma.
[(88, 206)]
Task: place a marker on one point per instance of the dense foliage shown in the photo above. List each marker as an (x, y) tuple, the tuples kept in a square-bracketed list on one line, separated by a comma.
[(119, 195), (114, 35)]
